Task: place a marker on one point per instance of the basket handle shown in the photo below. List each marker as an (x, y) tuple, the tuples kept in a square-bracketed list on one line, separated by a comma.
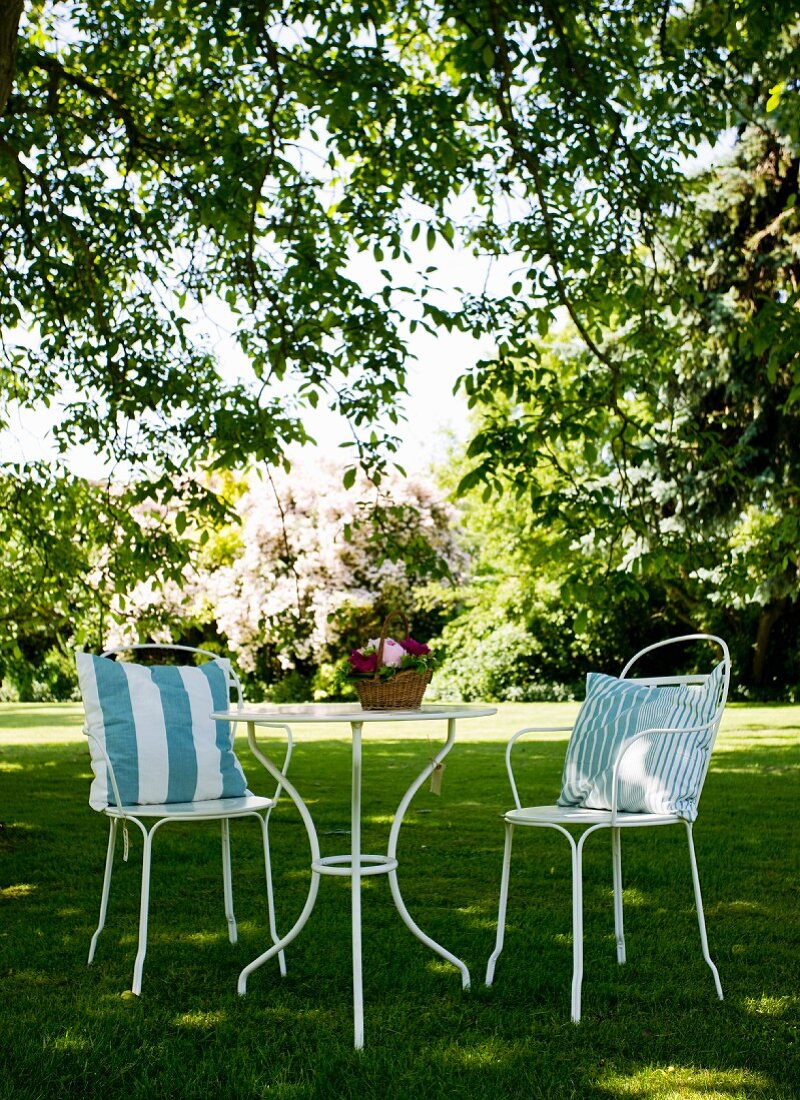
[(384, 632)]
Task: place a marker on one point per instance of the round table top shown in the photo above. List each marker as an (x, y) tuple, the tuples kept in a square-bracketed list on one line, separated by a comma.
[(290, 713)]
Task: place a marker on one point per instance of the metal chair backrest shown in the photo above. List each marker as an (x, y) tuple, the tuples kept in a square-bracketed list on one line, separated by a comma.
[(691, 678)]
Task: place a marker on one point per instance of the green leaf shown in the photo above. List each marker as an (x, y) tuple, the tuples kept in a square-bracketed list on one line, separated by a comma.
[(775, 95)]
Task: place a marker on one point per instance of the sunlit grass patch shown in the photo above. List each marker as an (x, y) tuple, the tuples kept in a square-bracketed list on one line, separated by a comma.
[(487, 1053), (26, 978), (205, 938), (19, 890), (634, 897), (773, 1006), (201, 1020), (71, 1040), (739, 905), (676, 1082)]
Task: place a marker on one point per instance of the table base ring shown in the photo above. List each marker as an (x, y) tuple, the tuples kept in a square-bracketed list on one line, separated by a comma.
[(343, 865)]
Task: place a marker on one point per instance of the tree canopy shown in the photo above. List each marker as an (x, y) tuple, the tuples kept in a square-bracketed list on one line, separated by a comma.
[(160, 158)]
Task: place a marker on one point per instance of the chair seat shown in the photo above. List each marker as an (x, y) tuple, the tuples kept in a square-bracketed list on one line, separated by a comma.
[(580, 815), (212, 808)]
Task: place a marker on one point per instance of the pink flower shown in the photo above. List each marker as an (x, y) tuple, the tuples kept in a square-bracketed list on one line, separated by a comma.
[(416, 649), (393, 652), (361, 663)]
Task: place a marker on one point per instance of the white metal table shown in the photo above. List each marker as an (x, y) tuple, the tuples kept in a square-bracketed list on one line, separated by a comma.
[(355, 864)]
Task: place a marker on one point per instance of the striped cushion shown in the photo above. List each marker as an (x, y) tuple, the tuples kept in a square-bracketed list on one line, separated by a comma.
[(662, 774), (154, 724)]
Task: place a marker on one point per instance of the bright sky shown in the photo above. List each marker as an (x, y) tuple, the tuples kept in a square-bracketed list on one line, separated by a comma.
[(435, 415)]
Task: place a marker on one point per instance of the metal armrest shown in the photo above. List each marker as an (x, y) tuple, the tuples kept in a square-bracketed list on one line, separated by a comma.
[(260, 756), (512, 742), (91, 737)]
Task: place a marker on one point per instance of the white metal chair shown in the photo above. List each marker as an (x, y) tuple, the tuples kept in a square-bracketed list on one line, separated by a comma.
[(587, 820), (152, 732)]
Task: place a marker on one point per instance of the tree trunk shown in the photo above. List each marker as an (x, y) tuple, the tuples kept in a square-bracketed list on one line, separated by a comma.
[(10, 12), (769, 616)]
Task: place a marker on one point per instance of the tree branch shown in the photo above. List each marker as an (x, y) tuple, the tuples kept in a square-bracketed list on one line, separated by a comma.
[(137, 138), (10, 13), (530, 163), (274, 60)]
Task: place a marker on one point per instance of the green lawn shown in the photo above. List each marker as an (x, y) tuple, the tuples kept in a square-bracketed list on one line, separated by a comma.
[(651, 1029)]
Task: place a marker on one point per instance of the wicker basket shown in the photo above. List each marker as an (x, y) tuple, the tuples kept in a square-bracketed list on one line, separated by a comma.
[(403, 691)]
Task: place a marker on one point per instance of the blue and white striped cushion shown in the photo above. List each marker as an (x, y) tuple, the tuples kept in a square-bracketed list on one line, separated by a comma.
[(154, 723), (662, 774)]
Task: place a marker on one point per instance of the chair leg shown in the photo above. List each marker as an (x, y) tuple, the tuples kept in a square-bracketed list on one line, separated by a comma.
[(227, 883), (112, 839), (501, 912), (616, 864), (577, 926), (273, 929), (144, 906), (701, 920)]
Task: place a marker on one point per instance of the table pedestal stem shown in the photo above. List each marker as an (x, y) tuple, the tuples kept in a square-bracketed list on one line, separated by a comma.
[(355, 900)]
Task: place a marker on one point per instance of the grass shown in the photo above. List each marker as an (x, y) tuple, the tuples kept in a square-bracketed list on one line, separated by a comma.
[(651, 1030)]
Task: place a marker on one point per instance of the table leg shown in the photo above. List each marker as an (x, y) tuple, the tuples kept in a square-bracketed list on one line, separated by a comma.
[(302, 809), (355, 882), (392, 853)]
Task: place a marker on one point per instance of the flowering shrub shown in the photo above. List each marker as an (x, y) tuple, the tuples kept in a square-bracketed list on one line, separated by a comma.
[(397, 656), (287, 589)]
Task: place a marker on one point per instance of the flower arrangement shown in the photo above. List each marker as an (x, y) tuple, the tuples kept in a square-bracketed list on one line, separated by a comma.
[(389, 673), (396, 657)]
